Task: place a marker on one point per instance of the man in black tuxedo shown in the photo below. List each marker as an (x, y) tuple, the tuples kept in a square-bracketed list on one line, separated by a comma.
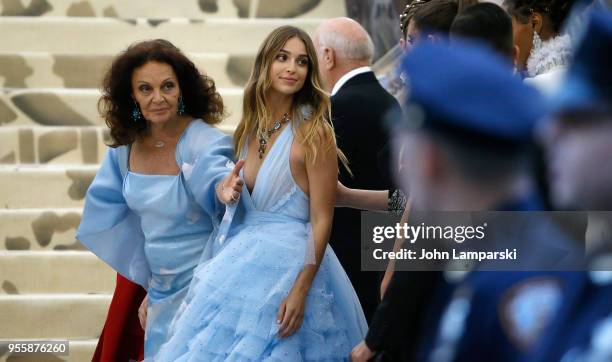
[(358, 105)]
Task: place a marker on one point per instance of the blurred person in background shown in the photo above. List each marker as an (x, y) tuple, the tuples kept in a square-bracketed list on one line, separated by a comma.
[(386, 68), (433, 19), (578, 141), (420, 19), (459, 153), (489, 24), (468, 154)]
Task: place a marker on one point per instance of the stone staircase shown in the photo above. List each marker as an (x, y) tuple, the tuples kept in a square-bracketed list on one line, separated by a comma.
[(53, 54)]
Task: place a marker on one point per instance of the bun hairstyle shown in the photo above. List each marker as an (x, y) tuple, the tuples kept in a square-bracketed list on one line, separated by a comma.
[(438, 15), (487, 23), (557, 11)]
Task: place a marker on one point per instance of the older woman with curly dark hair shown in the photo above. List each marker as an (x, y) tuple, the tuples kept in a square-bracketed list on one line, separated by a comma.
[(152, 208), (127, 103)]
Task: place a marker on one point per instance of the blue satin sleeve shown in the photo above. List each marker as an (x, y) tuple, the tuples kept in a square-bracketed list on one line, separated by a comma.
[(108, 227), (206, 157)]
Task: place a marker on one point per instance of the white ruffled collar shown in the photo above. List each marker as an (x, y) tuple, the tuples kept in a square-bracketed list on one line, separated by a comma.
[(553, 53)]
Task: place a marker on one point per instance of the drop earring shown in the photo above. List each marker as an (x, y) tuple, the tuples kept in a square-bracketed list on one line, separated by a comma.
[(536, 43), (181, 106), (136, 115)]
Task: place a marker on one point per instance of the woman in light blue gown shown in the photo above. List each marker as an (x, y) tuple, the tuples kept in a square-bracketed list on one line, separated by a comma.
[(276, 291), (151, 208)]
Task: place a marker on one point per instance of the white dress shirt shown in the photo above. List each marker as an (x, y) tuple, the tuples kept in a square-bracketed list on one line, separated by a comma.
[(345, 78)]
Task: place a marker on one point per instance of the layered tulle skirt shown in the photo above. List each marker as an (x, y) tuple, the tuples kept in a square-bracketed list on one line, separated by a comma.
[(231, 311)]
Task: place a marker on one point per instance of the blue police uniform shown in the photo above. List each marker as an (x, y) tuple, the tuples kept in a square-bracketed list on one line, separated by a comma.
[(468, 94), (583, 329)]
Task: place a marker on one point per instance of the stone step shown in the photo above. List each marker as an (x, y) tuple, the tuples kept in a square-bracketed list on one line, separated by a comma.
[(52, 144), (64, 35), (164, 9), (77, 107), (58, 144), (26, 272), (44, 186), (39, 229), (79, 351), (53, 316), (47, 70)]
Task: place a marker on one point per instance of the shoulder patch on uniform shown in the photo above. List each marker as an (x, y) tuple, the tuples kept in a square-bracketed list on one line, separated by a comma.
[(599, 348), (601, 270), (452, 325), (527, 308)]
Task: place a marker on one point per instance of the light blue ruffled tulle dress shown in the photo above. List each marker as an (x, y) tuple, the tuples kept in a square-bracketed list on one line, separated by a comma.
[(230, 314), (155, 229)]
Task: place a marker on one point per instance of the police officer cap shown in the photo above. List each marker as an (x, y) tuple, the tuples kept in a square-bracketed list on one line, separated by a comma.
[(467, 91)]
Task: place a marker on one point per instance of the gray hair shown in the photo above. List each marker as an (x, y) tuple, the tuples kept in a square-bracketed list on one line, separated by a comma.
[(349, 47)]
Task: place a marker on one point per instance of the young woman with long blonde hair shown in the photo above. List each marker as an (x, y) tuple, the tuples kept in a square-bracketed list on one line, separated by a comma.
[(276, 291)]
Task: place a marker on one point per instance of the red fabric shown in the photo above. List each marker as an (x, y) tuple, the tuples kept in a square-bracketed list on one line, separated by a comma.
[(122, 337)]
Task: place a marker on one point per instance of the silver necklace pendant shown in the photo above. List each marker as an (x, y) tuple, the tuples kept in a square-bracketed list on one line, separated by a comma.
[(160, 144), (265, 135)]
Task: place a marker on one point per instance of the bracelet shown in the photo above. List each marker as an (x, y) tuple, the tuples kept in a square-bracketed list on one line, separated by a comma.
[(397, 202)]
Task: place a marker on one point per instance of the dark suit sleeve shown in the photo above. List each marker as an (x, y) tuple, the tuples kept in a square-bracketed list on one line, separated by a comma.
[(385, 160), (396, 325), (348, 134), (385, 169)]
